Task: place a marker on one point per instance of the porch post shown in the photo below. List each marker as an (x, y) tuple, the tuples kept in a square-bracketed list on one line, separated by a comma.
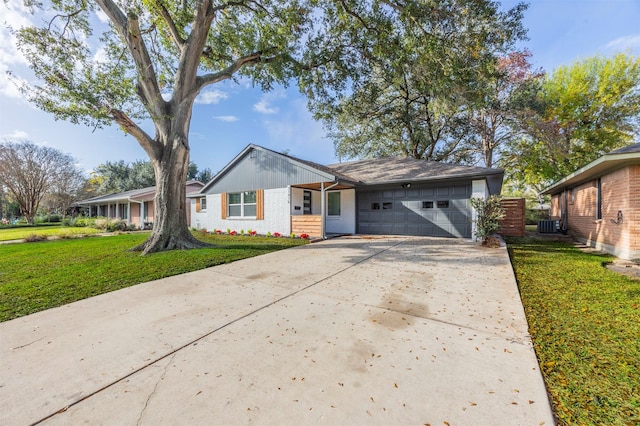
[(322, 212)]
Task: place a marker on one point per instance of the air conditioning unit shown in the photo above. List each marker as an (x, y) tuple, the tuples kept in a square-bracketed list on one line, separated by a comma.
[(548, 226)]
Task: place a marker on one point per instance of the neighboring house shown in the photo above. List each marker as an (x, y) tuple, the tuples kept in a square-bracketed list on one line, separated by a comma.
[(135, 206), (265, 191), (599, 204)]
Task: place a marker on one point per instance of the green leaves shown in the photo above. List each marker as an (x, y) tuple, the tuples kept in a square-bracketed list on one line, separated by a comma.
[(577, 114), (403, 74)]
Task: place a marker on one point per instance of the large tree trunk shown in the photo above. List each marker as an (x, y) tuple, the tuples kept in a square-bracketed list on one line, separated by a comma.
[(170, 230)]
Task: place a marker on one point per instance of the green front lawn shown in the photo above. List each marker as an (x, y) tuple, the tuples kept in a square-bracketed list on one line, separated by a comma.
[(8, 234), (38, 276), (585, 325)]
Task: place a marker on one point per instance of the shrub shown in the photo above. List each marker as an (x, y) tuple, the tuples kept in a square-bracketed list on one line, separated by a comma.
[(83, 222), (489, 213), (304, 236), (34, 238), (101, 223), (117, 225), (48, 218)]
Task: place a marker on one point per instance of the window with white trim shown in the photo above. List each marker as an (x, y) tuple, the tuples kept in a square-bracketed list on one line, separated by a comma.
[(203, 203), (333, 204), (241, 204)]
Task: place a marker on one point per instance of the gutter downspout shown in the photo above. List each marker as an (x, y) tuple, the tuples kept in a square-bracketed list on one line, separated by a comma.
[(323, 207)]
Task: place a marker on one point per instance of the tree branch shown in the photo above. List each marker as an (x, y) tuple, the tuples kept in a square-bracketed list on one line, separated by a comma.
[(173, 30), (150, 146), (129, 29), (227, 73)]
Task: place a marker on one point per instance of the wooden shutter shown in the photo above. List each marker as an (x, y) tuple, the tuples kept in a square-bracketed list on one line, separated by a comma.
[(260, 204), (197, 205), (223, 203)]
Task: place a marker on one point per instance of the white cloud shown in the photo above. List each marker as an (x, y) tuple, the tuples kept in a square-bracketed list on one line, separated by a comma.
[(102, 17), (211, 97), (227, 118), (16, 135), (630, 42), (264, 105), (101, 55), (14, 16)]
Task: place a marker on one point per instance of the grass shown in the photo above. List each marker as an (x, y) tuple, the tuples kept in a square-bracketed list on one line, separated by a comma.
[(39, 276), (585, 325), (7, 234)]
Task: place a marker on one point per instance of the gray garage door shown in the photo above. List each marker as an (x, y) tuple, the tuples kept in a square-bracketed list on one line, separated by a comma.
[(441, 211)]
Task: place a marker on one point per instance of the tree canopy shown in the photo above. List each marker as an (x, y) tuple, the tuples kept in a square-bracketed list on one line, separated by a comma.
[(406, 74), (150, 62), (30, 172), (119, 176), (575, 115)]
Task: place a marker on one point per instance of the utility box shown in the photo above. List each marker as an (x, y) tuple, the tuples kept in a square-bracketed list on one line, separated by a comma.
[(548, 226)]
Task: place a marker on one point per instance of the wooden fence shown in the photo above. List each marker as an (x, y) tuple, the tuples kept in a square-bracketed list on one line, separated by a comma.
[(512, 225)]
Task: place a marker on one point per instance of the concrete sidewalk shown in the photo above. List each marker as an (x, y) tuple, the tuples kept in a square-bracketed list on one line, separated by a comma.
[(348, 331)]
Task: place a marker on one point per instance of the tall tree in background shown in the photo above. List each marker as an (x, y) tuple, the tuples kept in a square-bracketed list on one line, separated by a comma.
[(576, 114), (494, 117), (406, 73), (119, 176), (65, 190), (151, 49), (29, 172)]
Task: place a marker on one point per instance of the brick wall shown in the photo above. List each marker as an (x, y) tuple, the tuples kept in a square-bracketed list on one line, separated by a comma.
[(513, 223), (620, 193), (633, 213)]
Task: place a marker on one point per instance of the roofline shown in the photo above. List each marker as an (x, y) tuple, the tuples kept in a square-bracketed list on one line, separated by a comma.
[(132, 198), (598, 167), (251, 146), (438, 177)]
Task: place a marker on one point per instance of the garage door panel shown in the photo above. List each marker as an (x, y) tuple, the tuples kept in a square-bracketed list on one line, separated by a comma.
[(458, 218), (460, 190), (430, 211), (427, 192), (459, 204), (399, 217), (413, 193)]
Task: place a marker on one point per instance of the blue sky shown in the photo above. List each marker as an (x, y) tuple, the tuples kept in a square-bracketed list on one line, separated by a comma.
[(229, 116)]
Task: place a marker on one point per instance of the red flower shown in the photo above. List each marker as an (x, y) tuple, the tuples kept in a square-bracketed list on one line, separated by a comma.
[(276, 234), (304, 236), (252, 233), (233, 233)]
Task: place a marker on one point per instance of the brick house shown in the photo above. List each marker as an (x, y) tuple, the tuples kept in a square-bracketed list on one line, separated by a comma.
[(135, 207), (599, 204)]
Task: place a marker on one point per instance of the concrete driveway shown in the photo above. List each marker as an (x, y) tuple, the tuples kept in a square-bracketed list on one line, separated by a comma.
[(353, 330)]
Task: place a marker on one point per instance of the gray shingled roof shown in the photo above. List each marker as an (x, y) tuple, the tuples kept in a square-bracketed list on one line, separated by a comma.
[(627, 149), (126, 195), (398, 169), (320, 167), (119, 195)]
